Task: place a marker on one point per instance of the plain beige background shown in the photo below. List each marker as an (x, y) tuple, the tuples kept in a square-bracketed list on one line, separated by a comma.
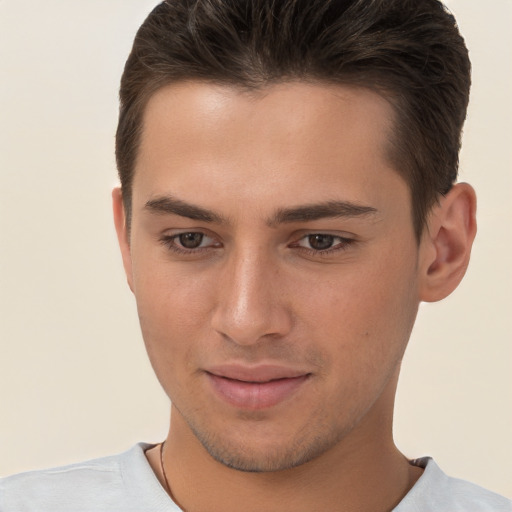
[(74, 379)]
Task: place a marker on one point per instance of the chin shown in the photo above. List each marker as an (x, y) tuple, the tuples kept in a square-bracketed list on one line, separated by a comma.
[(269, 455)]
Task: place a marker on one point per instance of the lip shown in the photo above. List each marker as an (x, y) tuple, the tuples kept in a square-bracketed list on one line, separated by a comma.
[(256, 387)]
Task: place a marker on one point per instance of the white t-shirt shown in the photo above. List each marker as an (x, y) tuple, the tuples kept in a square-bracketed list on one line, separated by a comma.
[(126, 483)]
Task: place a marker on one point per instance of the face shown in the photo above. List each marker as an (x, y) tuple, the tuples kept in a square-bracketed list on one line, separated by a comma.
[(274, 263)]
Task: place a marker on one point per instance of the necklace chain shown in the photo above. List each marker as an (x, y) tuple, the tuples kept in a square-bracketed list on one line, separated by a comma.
[(167, 486)]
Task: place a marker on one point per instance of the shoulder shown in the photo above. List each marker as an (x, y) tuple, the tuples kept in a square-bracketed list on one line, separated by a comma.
[(437, 492), (108, 483)]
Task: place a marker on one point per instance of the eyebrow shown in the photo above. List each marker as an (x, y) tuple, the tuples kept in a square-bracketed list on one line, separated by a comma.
[(168, 205), (329, 209)]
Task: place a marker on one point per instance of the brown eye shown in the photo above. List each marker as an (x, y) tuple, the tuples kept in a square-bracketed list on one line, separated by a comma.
[(190, 240), (321, 242)]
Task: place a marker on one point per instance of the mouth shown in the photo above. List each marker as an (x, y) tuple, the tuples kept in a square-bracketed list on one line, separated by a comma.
[(255, 388)]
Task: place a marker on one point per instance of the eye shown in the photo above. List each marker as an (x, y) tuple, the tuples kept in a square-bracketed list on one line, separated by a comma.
[(323, 243), (188, 242), (319, 242)]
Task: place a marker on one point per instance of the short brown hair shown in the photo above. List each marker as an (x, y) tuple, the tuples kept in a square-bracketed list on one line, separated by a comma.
[(410, 51)]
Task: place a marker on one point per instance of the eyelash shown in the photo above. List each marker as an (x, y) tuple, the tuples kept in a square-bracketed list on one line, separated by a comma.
[(169, 241), (342, 244)]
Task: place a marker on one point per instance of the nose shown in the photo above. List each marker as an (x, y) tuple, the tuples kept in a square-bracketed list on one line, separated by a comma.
[(251, 302)]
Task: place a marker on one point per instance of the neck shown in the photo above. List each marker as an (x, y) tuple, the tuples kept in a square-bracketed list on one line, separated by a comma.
[(364, 472)]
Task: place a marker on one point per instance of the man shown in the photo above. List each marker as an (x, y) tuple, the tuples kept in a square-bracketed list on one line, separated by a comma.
[(287, 199)]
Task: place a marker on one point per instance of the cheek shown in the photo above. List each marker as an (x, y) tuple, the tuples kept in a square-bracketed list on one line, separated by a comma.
[(363, 316), (173, 309), (167, 293)]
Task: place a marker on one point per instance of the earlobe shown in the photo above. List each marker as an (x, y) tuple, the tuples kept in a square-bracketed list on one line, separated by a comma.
[(446, 243), (122, 233)]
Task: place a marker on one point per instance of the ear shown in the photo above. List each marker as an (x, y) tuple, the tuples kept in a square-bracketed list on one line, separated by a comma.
[(122, 233), (446, 243)]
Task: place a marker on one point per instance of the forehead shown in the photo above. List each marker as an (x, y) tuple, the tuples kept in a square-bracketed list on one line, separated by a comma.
[(294, 139), (201, 108)]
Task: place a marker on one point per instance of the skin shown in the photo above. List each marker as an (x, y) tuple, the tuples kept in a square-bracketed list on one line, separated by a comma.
[(262, 288)]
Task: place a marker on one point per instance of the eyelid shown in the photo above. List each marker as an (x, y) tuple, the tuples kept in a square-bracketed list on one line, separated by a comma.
[(344, 242), (175, 232), (169, 237)]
